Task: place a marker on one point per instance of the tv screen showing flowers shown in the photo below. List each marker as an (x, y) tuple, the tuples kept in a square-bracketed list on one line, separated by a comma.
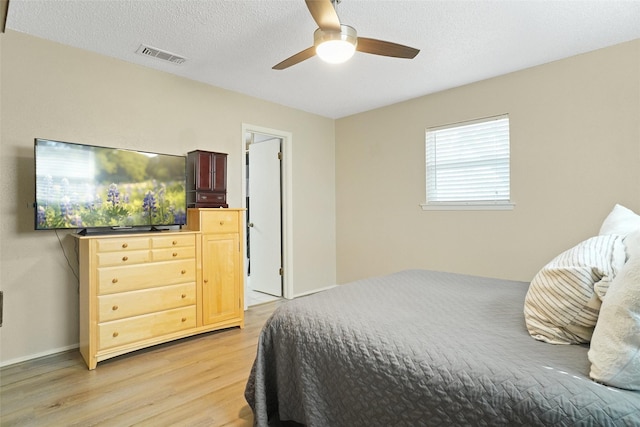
[(84, 186)]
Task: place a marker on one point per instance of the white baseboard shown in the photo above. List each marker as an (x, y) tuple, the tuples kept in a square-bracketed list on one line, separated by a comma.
[(315, 291), (38, 355)]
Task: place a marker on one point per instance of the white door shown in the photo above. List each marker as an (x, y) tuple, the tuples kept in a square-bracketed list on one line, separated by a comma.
[(265, 244)]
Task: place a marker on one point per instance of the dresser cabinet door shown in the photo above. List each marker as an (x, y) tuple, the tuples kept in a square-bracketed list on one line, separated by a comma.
[(203, 171), (221, 278), (208, 171), (219, 172)]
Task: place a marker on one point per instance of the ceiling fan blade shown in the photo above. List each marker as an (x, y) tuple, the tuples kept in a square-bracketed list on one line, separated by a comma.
[(295, 59), (381, 47), (324, 14)]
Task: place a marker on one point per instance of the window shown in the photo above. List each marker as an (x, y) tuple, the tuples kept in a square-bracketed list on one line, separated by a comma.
[(468, 165)]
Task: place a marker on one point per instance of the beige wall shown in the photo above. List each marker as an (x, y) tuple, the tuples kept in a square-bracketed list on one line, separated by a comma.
[(57, 92), (575, 140), (575, 151)]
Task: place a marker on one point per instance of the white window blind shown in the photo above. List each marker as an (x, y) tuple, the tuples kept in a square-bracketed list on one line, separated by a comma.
[(468, 163)]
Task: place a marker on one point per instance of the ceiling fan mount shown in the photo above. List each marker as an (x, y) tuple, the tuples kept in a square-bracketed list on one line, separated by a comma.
[(335, 42)]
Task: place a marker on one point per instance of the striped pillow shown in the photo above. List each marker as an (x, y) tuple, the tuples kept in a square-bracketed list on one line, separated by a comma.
[(564, 298)]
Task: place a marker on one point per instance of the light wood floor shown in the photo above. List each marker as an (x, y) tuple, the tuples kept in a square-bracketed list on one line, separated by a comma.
[(197, 381)]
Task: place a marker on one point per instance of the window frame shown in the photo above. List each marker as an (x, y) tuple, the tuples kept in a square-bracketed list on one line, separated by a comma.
[(487, 204)]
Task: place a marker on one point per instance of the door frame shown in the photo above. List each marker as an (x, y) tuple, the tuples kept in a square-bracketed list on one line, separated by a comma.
[(286, 192)]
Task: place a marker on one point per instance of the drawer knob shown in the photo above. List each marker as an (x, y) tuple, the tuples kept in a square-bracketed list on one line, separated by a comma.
[(175, 254), (125, 258), (115, 334), (184, 272), (125, 245), (206, 280), (184, 296), (184, 319), (114, 280), (114, 308), (221, 222), (175, 242)]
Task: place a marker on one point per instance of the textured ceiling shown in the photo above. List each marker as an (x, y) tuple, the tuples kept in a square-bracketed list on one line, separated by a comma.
[(234, 43)]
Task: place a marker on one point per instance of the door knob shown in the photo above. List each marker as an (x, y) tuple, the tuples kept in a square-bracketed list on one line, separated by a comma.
[(250, 224)]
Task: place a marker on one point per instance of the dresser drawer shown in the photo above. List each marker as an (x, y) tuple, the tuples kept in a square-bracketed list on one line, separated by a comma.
[(122, 258), (122, 244), (173, 241), (211, 198), (167, 254), (219, 221), (134, 303), (121, 279), (135, 329)]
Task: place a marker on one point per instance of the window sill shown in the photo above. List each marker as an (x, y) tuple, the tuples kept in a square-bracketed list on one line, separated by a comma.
[(468, 206)]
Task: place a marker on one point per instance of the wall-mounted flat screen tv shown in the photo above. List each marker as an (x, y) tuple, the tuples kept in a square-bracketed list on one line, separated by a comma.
[(94, 188)]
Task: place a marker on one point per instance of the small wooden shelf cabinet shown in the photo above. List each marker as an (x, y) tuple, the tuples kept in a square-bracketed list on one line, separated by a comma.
[(206, 179), (138, 290)]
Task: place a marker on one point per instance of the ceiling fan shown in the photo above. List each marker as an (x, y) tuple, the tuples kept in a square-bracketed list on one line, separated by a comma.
[(335, 42)]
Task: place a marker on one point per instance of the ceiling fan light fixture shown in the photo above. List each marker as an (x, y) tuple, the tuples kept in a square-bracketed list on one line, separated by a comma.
[(336, 47)]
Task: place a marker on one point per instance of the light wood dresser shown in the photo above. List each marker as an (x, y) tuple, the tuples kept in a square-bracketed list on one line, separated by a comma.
[(138, 290)]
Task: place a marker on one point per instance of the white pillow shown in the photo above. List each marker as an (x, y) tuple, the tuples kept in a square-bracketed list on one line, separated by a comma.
[(564, 298), (621, 221), (615, 345)]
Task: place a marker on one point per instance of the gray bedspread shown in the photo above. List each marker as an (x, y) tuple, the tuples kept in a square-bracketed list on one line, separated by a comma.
[(423, 348)]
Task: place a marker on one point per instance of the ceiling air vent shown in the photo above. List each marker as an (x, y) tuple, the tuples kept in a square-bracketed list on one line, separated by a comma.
[(160, 54)]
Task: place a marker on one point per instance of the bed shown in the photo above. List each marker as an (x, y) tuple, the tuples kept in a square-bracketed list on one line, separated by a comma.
[(423, 348)]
